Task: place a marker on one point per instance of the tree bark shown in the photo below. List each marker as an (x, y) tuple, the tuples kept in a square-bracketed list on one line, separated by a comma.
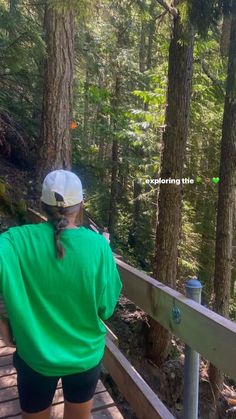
[(114, 158), (12, 11), (55, 144), (86, 107), (172, 164), (116, 101), (151, 33), (142, 47), (226, 200), (12, 6), (225, 36)]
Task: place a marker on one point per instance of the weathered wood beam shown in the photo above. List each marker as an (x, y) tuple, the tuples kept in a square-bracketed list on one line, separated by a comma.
[(134, 388)]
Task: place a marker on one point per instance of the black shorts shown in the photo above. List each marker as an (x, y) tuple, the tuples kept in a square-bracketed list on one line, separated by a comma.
[(36, 391)]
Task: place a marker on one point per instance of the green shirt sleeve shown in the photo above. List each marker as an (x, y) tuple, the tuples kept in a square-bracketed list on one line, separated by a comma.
[(113, 285)]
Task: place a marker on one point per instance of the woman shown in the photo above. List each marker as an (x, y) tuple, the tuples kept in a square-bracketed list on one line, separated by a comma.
[(58, 281)]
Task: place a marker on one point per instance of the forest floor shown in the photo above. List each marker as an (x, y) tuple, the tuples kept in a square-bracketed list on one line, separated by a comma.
[(129, 323)]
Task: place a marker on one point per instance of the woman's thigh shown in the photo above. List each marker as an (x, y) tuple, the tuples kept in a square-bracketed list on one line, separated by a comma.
[(80, 388), (36, 391)]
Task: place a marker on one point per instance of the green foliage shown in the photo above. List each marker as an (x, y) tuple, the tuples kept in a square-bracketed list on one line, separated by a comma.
[(22, 52), (190, 242), (81, 8), (205, 13), (120, 85), (232, 310)]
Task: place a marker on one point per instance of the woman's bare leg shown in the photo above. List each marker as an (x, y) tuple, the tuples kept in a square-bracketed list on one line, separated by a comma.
[(44, 414), (78, 410)]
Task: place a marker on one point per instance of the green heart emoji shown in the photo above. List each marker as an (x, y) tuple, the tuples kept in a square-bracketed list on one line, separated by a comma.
[(215, 180)]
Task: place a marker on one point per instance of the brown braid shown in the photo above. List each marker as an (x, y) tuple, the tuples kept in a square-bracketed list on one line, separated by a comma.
[(57, 216), (60, 224)]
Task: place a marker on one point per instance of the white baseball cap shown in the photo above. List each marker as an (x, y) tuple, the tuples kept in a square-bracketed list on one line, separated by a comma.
[(65, 183)]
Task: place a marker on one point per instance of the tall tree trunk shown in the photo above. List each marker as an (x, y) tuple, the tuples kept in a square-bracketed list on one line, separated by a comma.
[(225, 36), (142, 47), (12, 11), (114, 158), (113, 196), (151, 33), (55, 147), (133, 234), (145, 62), (116, 100), (172, 164), (12, 6), (100, 132), (226, 199), (86, 108)]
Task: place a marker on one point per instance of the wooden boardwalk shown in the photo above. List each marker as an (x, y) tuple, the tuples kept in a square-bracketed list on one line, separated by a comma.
[(103, 407)]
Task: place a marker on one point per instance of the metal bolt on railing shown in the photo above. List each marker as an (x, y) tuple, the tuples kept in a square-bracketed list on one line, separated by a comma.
[(191, 365)]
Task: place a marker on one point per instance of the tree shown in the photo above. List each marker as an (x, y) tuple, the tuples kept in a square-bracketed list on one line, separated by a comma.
[(22, 49), (55, 141), (172, 164), (226, 198), (116, 119), (114, 154)]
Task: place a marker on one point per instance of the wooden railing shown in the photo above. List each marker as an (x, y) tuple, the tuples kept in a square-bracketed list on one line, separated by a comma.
[(213, 336), (210, 334)]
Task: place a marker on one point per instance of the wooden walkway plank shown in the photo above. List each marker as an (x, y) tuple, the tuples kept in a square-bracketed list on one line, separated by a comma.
[(5, 360), (6, 370), (5, 350), (110, 413), (7, 381)]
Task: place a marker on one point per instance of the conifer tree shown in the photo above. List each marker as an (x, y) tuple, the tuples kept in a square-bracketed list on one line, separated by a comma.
[(55, 142), (226, 198), (170, 195)]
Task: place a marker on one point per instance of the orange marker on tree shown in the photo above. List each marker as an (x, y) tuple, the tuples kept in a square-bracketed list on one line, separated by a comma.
[(73, 125)]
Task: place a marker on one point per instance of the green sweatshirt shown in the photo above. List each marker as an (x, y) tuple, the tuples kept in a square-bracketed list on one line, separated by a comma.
[(55, 306)]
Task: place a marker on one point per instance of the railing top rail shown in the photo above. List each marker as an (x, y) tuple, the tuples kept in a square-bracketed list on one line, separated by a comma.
[(178, 297)]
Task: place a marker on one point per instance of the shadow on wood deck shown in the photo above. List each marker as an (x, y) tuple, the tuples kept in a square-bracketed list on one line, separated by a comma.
[(103, 406)]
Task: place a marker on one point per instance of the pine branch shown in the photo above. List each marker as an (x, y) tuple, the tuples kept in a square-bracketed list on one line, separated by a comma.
[(172, 10), (16, 40), (214, 80), (161, 15)]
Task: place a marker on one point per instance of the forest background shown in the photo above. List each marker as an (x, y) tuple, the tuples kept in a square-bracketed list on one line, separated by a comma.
[(136, 122), (120, 85)]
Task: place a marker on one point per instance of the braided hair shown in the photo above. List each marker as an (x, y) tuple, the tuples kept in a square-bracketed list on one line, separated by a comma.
[(57, 216)]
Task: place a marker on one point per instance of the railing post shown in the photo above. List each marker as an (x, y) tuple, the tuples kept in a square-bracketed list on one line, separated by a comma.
[(191, 364)]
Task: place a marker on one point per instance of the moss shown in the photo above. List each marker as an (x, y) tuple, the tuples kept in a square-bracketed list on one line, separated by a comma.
[(10, 203), (21, 207), (12, 207), (2, 188), (5, 199), (20, 210)]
